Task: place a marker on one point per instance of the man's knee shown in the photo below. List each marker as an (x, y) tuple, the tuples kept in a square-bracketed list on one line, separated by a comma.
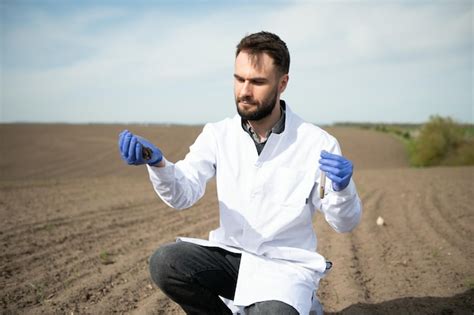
[(162, 264), (271, 308)]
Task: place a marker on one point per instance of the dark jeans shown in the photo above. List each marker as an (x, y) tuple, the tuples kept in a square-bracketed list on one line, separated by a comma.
[(193, 276)]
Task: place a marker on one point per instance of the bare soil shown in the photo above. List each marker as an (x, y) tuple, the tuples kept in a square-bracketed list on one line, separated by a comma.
[(78, 225)]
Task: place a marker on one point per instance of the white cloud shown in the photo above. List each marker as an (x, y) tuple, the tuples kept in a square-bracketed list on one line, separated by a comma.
[(353, 32)]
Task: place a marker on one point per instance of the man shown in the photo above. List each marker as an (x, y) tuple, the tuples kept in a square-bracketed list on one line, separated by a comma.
[(267, 162)]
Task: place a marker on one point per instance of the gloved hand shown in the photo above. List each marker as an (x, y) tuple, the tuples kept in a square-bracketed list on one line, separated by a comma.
[(131, 149), (337, 168)]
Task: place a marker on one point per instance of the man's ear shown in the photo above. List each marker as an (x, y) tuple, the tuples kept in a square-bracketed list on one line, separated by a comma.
[(283, 83)]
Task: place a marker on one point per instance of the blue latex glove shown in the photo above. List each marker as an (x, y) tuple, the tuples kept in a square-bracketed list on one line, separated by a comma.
[(337, 168), (131, 149)]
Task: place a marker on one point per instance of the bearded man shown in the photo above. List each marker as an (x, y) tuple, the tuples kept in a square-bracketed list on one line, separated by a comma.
[(268, 161)]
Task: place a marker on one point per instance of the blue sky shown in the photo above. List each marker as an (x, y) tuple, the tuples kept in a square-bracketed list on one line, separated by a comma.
[(172, 61)]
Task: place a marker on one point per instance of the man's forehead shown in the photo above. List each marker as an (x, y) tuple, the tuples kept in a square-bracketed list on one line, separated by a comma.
[(260, 62)]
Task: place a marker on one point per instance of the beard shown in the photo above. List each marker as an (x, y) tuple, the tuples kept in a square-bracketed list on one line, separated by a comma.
[(258, 110)]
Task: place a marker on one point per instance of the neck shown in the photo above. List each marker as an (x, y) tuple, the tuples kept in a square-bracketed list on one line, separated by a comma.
[(263, 126)]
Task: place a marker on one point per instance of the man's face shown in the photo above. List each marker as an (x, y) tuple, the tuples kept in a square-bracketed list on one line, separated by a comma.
[(257, 85)]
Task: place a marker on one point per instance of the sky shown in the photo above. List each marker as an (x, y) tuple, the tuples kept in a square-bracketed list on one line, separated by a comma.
[(173, 61)]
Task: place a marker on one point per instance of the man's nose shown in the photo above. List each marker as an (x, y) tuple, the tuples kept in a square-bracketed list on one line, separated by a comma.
[(246, 89)]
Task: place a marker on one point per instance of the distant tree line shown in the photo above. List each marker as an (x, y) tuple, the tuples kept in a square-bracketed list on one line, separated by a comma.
[(440, 141)]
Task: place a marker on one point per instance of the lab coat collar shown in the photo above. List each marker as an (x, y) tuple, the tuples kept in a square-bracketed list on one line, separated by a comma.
[(274, 146)]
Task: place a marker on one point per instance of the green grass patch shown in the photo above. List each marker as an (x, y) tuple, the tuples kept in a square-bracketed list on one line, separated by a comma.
[(105, 258), (49, 227), (38, 291), (469, 283)]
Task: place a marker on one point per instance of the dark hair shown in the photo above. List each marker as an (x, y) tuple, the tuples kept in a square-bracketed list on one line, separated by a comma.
[(266, 42)]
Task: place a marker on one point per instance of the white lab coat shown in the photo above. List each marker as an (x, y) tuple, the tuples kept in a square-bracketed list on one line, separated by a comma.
[(266, 204)]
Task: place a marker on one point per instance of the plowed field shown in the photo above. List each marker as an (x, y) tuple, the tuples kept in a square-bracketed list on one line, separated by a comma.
[(78, 225)]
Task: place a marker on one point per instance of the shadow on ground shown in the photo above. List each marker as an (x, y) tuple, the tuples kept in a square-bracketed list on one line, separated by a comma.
[(459, 304)]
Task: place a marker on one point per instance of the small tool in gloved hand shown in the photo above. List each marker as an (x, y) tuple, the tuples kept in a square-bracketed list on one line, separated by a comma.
[(147, 150), (146, 153)]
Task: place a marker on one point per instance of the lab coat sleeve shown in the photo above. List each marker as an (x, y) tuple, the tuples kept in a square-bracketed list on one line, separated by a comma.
[(182, 184), (341, 209)]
